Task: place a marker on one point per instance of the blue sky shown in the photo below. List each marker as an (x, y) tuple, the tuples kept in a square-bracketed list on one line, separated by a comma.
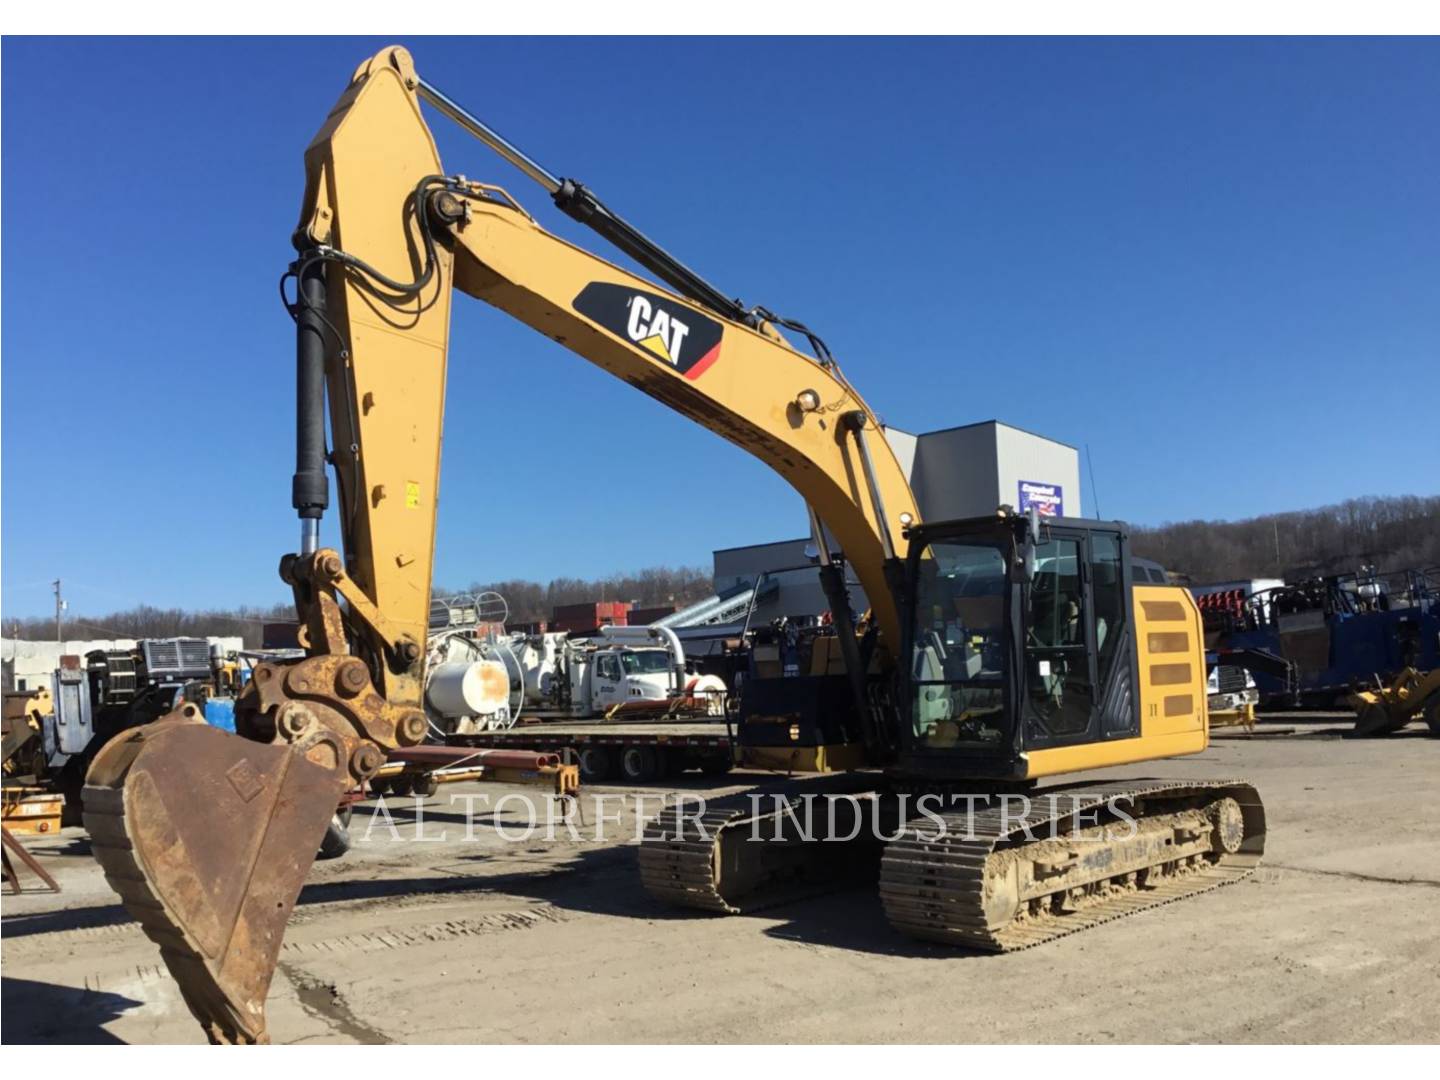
[(1214, 262)]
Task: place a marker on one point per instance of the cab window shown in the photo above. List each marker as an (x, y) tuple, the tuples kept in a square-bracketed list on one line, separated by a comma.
[(646, 662), (959, 649), (1058, 684), (1107, 591)]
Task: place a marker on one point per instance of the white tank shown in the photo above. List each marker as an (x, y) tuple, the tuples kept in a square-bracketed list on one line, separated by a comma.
[(537, 658), (468, 688), (709, 687)]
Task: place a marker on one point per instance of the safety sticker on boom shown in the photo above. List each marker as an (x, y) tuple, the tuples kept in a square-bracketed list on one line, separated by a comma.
[(679, 336)]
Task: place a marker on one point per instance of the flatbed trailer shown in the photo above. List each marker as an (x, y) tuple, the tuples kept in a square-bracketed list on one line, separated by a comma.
[(632, 751)]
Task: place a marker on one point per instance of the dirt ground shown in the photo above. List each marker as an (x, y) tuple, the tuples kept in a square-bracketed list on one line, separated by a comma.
[(1333, 940)]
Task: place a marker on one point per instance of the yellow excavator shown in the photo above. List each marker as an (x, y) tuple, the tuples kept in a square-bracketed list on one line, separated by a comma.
[(998, 652)]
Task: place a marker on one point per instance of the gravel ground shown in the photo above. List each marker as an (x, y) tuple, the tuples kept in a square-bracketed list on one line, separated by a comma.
[(484, 940)]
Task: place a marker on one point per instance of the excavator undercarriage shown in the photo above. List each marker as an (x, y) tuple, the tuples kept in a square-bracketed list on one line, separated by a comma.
[(1007, 871), (775, 844)]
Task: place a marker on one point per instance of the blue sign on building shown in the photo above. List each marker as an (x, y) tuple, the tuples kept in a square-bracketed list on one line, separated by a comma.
[(1048, 499)]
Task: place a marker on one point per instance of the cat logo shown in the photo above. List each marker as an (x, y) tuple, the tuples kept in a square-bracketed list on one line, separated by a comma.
[(675, 335), (658, 331)]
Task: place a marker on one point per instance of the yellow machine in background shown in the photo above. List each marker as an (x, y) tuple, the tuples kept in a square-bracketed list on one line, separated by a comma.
[(28, 806), (1412, 695), (21, 748), (1001, 650)]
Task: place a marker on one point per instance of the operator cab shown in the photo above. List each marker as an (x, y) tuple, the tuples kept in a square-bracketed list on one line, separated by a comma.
[(626, 675), (1017, 639)]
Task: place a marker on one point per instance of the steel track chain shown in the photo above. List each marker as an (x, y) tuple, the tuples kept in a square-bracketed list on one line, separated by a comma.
[(933, 886)]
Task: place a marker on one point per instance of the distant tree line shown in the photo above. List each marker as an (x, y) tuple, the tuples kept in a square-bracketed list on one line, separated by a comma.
[(152, 622), (529, 601), (660, 586), (1390, 533)]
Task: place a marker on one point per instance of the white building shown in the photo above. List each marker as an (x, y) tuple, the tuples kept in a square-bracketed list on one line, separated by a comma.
[(968, 471)]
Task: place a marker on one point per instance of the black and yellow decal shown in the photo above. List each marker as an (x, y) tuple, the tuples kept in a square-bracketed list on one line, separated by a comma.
[(681, 337)]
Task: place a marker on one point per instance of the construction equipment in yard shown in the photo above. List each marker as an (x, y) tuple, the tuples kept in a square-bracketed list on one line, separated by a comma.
[(625, 672), (1231, 694), (1000, 650), (1338, 632), (32, 810), (1390, 707), (53, 733), (27, 806), (636, 751), (732, 606), (22, 732), (481, 683), (421, 769)]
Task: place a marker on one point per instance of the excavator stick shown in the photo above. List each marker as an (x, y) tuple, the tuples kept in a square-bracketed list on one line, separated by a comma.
[(207, 838)]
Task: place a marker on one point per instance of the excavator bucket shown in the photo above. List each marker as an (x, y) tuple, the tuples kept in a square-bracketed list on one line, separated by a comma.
[(207, 837)]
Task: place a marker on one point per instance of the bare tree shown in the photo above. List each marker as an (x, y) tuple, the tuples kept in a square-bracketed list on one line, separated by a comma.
[(1392, 533), (145, 621), (529, 601)]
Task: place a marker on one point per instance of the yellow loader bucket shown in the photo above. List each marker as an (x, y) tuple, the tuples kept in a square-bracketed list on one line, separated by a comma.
[(207, 837), (1411, 695)]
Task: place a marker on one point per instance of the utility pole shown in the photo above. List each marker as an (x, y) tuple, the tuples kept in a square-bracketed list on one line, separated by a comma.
[(59, 607), (1276, 523)]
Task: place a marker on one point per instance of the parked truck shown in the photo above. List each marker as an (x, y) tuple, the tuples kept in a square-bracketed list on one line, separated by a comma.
[(487, 683)]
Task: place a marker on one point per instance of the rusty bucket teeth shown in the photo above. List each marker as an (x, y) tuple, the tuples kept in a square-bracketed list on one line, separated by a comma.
[(207, 838)]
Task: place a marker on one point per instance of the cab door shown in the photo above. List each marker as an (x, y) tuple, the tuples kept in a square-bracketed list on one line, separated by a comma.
[(1078, 660), (608, 681), (1059, 643)]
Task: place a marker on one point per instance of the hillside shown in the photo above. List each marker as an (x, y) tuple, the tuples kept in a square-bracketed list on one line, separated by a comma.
[(1392, 533)]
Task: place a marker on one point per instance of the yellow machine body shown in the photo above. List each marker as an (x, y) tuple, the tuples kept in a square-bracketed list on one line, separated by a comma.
[(1411, 695), (1171, 665), (208, 836)]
